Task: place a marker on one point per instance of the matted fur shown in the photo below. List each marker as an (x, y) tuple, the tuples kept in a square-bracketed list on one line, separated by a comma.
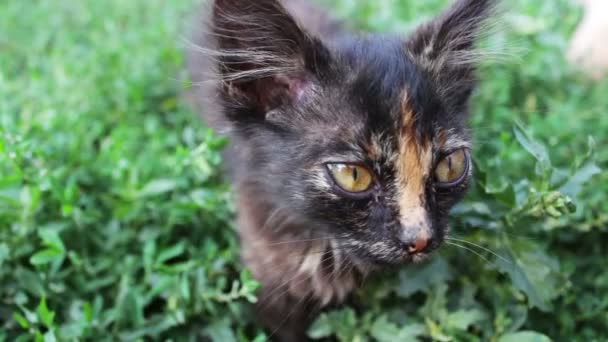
[(294, 92)]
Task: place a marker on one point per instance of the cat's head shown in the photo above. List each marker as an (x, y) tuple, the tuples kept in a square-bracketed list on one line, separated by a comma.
[(363, 136)]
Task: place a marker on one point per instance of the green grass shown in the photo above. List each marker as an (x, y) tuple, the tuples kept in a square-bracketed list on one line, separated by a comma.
[(114, 224)]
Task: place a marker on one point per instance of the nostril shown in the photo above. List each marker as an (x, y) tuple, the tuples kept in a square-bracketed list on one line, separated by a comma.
[(418, 246)]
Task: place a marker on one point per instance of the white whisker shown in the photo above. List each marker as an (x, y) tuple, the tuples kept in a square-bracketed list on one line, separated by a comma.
[(470, 250), (482, 248)]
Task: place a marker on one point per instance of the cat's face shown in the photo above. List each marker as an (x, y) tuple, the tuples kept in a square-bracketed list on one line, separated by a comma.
[(365, 138)]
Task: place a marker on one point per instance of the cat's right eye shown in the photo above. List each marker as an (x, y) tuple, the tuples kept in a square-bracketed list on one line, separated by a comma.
[(351, 177), (452, 169)]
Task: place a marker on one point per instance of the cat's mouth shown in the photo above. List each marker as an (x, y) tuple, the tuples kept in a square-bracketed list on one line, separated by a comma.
[(391, 257)]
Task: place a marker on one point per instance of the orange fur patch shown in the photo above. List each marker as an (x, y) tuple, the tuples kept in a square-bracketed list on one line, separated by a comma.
[(413, 167)]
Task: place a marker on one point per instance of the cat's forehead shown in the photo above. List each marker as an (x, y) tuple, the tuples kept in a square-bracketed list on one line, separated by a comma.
[(380, 100), (397, 104)]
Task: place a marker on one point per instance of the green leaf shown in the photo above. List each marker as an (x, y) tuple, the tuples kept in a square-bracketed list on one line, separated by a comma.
[(535, 148), (532, 272), (46, 316), (320, 328), (417, 278), (49, 336), (220, 331), (463, 319), (436, 331), (88, 312), (157, 187), (10, 195), (29, 281), (171, 253), (411, 331), (261, 337), (46, 256), (383, 330), (574, 186), (55, 248), (524, 336), (342, 323), (50, 238), (21, 320), (507, 196)]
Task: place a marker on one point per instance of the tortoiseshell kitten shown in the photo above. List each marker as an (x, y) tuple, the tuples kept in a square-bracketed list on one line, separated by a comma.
[(347, 150)]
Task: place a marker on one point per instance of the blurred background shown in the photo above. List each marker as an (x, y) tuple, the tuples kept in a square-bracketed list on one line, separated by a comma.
[(116, 225)]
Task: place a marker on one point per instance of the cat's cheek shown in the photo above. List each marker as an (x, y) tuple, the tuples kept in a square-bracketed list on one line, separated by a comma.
[(320, 185)]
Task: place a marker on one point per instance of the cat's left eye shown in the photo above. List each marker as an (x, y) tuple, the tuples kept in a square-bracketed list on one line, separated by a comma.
[(351, 177), (452, 169)]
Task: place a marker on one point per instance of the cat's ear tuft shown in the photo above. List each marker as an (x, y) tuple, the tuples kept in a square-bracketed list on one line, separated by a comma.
[(264, 59), (446, 47)]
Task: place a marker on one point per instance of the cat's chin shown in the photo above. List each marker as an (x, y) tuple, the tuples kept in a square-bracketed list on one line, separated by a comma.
[(374, 262), (420, 257)]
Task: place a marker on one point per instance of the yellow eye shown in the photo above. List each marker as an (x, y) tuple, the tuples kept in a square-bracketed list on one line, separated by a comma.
[(351, 178), (452, 168)]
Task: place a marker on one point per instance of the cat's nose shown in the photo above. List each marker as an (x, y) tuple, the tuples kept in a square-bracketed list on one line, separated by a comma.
[(415, 243)]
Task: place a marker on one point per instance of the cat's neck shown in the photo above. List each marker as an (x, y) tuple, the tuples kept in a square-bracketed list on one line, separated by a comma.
[(285, 251)]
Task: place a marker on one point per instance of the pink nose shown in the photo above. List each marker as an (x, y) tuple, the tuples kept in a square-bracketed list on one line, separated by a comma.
[(418, 245)]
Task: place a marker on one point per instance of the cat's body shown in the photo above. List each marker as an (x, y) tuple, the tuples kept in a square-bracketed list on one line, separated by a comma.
[(347, 151)]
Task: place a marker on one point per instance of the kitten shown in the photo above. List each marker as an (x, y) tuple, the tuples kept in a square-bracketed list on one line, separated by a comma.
[(347, 150)]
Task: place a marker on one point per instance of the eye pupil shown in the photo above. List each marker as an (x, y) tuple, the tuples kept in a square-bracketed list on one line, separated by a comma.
[(355, 174)]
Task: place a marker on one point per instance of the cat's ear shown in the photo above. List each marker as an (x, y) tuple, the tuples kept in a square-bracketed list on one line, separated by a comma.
[(264, 59), (446, 47)]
